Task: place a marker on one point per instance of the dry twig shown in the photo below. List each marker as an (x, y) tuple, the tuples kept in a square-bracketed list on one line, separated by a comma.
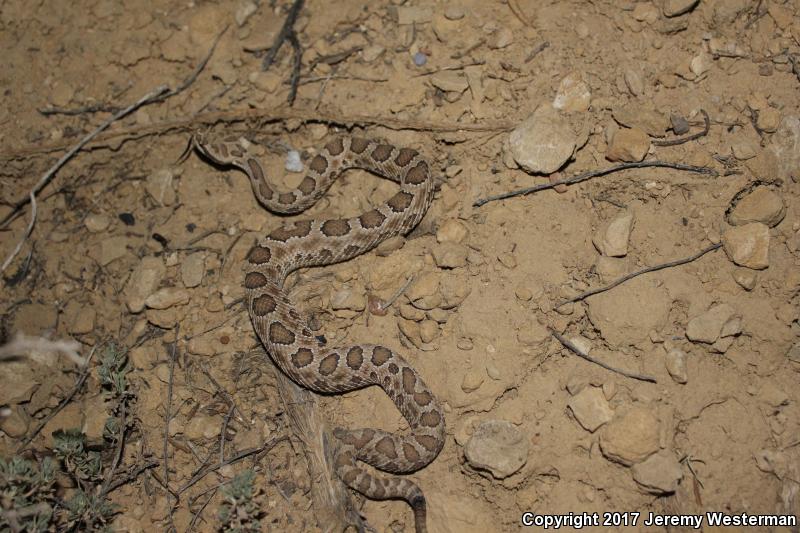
[(632, 275), (592, 174), (287, 33), (681, 140), (577, 351)]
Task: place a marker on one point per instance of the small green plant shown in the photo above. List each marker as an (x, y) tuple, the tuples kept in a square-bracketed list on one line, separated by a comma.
[(239, 511), (27, 489)]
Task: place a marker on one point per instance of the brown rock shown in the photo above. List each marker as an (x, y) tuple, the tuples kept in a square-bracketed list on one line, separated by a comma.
[(631, 438), (748, 245), (761, 205), (629, 145)]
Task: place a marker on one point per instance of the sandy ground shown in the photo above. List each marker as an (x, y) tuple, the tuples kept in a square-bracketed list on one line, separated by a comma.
[(530, 426)]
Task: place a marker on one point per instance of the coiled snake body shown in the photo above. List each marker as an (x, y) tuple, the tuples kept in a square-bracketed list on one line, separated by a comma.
[(302, 355)]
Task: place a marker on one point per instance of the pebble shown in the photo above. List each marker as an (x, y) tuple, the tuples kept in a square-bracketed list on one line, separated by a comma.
[(675, 362), (679, 124), (610, 268), (454, 12), (785, 145), (612, 240), (202, 427), (97, 223), (761, 205), (633, 80), (701, 63), (244, 11), (428, 330), (16, 423), (769, 120), (660, 473), (501, 38), (293, 163), (533, 334), (498, 447), (374, 51), (79, 318), (450, 81), (268, 82), (109, 250), (412, 14), (746, 278), (629, 145), (645, 12), (645, 118), (450, 255), (707, 327), (420, 59), (543, 142), (472, 381), (193, 268), (508, 260), (590, 408), (159, 186), (167, 297), (794, 353), (390, 245), (630, 438), (573, 94), (451, 230), (674, 8), (353, 300), (748, 245), (453, 290)]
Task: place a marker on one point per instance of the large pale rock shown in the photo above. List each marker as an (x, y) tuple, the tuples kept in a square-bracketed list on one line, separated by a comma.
[(761, 205), (748, 245), (498, 447), (786, 147), (590, 408), (708, 326), (631, 438), (612, 239), (573, 94), (659, 473), (144, 280), (543, 142), (629, 145)]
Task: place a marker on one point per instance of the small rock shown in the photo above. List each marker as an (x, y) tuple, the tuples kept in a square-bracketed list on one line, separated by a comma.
[(674, 8), (350, 299), (269, 81), (293, 162), (143, 281), (761, 205), (202, 427), (634, 82), (472, 381), (501, 38), (193, 268), (109, 250), (794, 353), (97, 223), (159, 186), (651, 121), (79, 318), (533, 334), (675, 362), (428, 331), (700, 64), (769, 120), (453, 290), (708, 326), (523, 293), (744, 147), (645, 12), (746, 278), (612, 241), (392, 244), (451, 230), (630, 438), (498, 447), (372, 52), (679, 124), (785, 145), (244, 11), (450, 255), (543, 142), (748, 245), (412, 14), (508, 260), (450, 81), (630, 145), (610, 268), (16, 424), (167, 297), (659, 473), (590, 408), (732, 327), (582, 343), (454, 12), (573, 94)]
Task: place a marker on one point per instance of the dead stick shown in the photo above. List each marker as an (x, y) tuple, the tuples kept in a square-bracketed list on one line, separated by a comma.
[(593, 174), (63, 403), (580, 353), (632, 275)]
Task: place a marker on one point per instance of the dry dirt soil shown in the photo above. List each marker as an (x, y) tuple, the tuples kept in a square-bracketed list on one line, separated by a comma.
[(135, 246)]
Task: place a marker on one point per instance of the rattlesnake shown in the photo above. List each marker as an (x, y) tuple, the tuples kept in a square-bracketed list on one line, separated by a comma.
[(303, 356)]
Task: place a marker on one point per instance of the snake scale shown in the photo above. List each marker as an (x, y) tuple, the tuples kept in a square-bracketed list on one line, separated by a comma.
[(302, 355)]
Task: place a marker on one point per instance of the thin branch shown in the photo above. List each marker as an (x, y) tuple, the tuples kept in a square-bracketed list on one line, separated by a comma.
[(577, 351), (63, 403), (287, 33), (593, 174), (632, 275), (681, 140), (167, 419), (130, 476)]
